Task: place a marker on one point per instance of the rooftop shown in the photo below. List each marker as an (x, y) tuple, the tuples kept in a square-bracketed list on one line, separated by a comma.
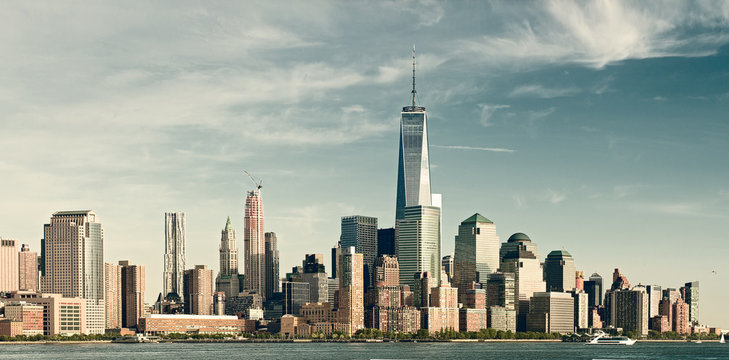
[(476, 218), (519, 237)]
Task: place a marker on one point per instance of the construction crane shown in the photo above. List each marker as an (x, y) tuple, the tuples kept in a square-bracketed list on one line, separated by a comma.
[(258, 184)]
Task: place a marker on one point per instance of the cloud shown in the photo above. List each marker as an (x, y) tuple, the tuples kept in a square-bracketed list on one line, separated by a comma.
[(598, 33), (539, 91), (555, 197), (460, 147), (488, 110)]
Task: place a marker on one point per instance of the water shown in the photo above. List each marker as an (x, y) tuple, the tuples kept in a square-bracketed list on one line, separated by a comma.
[(311, 351)]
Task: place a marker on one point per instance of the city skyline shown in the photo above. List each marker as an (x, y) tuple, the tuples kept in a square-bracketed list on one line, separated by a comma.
[(612, 151)]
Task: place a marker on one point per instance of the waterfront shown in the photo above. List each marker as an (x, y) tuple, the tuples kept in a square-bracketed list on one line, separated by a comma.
[(489, 350)]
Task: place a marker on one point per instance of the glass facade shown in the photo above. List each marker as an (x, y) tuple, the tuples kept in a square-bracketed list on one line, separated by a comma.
[(413, 171), (418, 243)]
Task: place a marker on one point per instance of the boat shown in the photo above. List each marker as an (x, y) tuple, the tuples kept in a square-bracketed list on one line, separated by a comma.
[(721, 341), (698, 341), (603, 339)]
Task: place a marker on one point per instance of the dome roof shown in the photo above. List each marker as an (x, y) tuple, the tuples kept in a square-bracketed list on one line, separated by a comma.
[(519, 237)]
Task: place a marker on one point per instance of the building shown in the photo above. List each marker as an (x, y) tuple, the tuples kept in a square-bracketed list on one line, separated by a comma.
[(219, 303), (681, 317), (447, 264), (133, 285), (295, 294), (242, 303), (28, 314), (559, 271), (254, 244), (690, 293), (551, 312), (361, 232), (519, 256), (628, 309), (443, 312), (386, 242), (593, 288), (581, 310), (500, 290), (476, 254), (8, 265), (61, 315), (424, 283), (387, 271), (620, 281), (227, 279), (315, 275), (387, 310), (500, 318), (174, 270), (27, 269), (10, 328), (198, 285), (580, 280), (156, 324), (271, 266), (473, 315), (351, 289), (112, 296), (73, 255), (413, 167), (418, 243), (660, 323), (655, 294)]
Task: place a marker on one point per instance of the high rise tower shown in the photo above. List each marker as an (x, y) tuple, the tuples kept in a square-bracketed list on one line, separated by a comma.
[(476, 254), (74, 262), (413, 169), (254, 244), (361, 232), (174, 254), (272, 274), (228, 251), (559, 271)]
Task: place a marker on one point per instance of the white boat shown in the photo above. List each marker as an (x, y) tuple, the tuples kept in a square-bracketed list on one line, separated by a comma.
[(603, 339), (721, 341)]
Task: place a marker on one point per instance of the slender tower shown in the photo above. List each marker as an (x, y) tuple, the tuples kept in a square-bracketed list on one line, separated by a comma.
[(254, 244), (174, 270), (228, 251), (413, 169)]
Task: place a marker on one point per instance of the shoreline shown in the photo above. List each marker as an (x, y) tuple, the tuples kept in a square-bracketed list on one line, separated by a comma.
[(307, 341)]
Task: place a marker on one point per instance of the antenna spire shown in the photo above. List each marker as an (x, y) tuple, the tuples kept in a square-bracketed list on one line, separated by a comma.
[(414, 92)]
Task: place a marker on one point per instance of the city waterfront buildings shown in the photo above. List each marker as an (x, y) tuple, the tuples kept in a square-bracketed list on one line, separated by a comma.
[(61, 315), (361, 232), (174, 264), (156, 324), (254, 243), (73, 256), (28, 314)]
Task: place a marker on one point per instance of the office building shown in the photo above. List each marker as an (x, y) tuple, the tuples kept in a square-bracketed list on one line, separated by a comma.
[(413, 167), (386, 242), (174, 270), (690, 293), (476, 254), (581, 310), (593, 288), (519, 256), (442, 312), (559, 271), (580, 280), (447, 264), (387, 271), (500, 318), (112, 296), (500, 290), (295, 294), (655, 294), (271, 268), (361, 232), (254, 244), (418, 243), (315, 275), (27, 269), (219, 303), (242, 303), (351, 289), (628, 309), (133, 285), (551, 312), (74, 262), (30, 315), (8, 265), (198, 285), (61, 315), (681, 317)]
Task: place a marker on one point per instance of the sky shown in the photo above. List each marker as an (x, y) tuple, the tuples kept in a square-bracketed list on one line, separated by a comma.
[(599, 127)]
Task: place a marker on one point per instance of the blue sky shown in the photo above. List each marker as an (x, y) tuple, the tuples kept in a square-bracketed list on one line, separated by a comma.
[(599, 127)]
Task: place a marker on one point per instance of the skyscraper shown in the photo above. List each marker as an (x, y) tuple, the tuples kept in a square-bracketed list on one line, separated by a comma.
[(559, 271), (315, 275), (174, 254), (28, 269), (477, 252), (691, 296), (519, 256), (272, 273), (133, 283), (361, 232), (112, 296), (74, 262), (198, 285), (387, 271), (8, 265), (628, 309), (254, 244), (227, 280), (593, 288), (351, 290), (418, 243), (413, 169), (385, 241)]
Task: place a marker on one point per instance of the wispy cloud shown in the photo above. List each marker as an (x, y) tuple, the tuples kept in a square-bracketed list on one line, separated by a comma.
[(539, 91), (460, 147), (488, 110), (555, 197)]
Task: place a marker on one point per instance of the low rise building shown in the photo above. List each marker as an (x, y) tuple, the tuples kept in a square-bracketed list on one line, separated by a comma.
[(501, 318), (61, 315), (204, 324), (11, 328), (30, 315), (551, 312)]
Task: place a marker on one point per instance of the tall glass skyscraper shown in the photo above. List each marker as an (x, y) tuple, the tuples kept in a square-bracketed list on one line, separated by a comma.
[(361, 232), (418, 243), (174, 270), (476, 254), (254, 244), (413, 168)]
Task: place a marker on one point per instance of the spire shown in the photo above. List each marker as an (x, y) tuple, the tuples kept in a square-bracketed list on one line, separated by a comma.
[(414, 92), (227, 224)]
